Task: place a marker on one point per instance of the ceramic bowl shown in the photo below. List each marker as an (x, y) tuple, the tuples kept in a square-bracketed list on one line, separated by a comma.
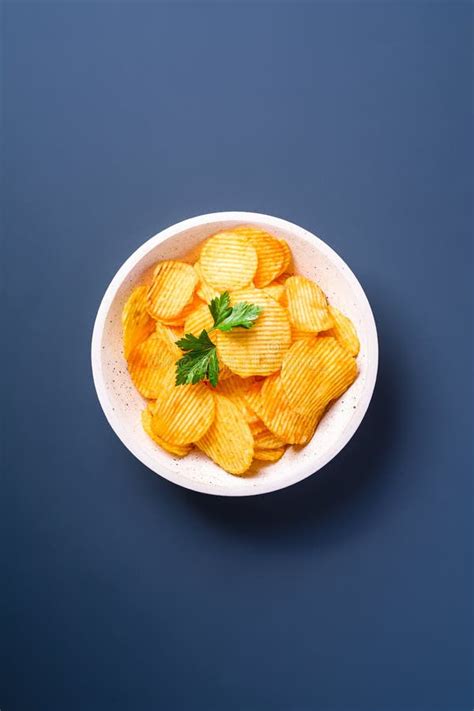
[(122, 404)]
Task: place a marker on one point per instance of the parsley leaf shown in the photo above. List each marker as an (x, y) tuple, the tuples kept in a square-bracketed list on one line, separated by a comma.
[(220, 308), (243, 315), (200, 361)]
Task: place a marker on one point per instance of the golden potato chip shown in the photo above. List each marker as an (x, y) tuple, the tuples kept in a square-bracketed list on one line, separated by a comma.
[(228, 261), (179, 451), (136, 321), (149, 363), (297, 335), (269, 455), (182, 316), (288, 256), (282, 279), (343, 331), (276, 291), (267, 440), (177, 331), (263, 438), (170, 336), (171, 290), (271, 405), (257, 426), (234, 388), (228, 441), (183, 413), (258, 350), (205, 291), (314, 372), (199, 319), (307, 305), (271, 252)]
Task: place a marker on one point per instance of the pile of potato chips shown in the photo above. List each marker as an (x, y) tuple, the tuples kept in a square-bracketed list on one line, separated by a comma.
[(276, 379)]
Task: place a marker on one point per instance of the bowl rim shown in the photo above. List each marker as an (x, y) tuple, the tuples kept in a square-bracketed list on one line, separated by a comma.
[(266, 486)]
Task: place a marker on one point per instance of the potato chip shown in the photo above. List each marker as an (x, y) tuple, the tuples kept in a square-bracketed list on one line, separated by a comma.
[(276, 291), (205, 291), (198, 320), (228, 440), (268, 455), (297, 335), (307, 305), (288, 255), (182, 316), (228, 261), (234, 388), (149, 363), (314, 372), (283, 278), (267, 440), (136, 321), (177, 331), (257, 426), (271, 405), (183, 413), (170, 336), (343, 331), (258, 350), (179, 451), (171, 289), (271, 252)]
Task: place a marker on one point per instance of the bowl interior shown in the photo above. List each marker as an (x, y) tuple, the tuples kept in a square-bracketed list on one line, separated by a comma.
[(123, 404)]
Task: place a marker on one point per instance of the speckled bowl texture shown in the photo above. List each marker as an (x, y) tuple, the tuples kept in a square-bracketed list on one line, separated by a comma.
[(122, 404)]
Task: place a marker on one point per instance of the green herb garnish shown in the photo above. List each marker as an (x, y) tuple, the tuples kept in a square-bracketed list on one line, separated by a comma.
[(200, 359)]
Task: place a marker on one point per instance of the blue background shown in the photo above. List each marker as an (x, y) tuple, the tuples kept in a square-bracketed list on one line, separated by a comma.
[(351, 590)]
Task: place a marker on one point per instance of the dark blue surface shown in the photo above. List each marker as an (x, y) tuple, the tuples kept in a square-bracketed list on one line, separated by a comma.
[(350, 591)]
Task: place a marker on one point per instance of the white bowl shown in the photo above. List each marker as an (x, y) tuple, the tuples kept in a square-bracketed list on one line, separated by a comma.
[(122, 404)]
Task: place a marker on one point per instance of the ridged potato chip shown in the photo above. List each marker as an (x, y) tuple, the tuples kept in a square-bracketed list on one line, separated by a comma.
[(343, 331), (171, 290), (257, 426), (307, 305), (288, 255), (136, 321), (268, 455), (314, 372), (234, 388), (183, 413), (282, 279), (176, 449), (182, 316), (297, 335), (228, 261), (271, 405), (258, 350), (271, 252), (276, 291), (199, 319), (267, 440), (228, 441), (149, 363), (170, 335), (205, 291)]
